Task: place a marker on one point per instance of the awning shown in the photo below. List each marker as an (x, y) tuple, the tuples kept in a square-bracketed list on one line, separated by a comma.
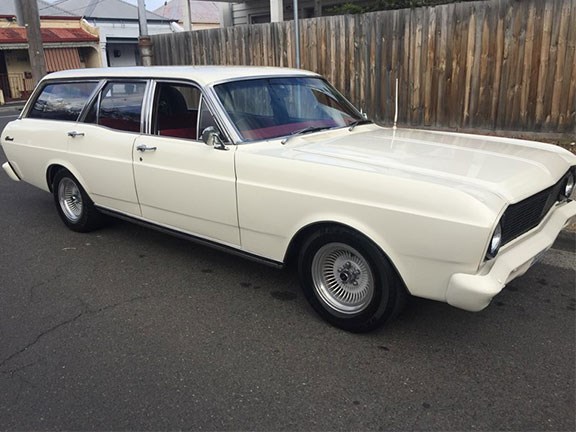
[(17, 35), (62, 59)]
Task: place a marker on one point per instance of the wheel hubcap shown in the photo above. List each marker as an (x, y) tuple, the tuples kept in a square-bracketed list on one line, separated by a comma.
[(70, 199), (342, 278)]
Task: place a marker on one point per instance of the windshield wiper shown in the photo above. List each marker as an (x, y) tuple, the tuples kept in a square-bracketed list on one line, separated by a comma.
[(358, 122), (305, 130)]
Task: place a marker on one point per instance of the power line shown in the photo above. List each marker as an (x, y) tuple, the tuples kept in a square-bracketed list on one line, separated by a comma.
[(96, 3)]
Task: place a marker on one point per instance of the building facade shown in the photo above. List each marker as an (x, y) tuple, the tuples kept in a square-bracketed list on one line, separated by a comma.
[(69, 43), (265, 11), (117, 23)]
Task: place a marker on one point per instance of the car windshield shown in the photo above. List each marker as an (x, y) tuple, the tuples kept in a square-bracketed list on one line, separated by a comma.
[(269, 108)]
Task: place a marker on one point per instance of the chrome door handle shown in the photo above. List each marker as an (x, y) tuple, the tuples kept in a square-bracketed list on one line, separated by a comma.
[(143, 147), (74, 134)]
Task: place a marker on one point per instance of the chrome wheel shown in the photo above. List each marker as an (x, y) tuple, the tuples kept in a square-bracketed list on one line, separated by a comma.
[(342, 278), (70, 199)]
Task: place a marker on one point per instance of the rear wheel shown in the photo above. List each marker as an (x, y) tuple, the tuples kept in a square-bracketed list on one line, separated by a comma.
[(74, 206), (349, 281)]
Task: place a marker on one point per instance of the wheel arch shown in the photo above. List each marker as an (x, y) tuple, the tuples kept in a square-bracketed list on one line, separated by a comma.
[(54, 167), (305, 232)]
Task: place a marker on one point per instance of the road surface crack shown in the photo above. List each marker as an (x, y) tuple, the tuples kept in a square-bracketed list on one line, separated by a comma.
[(85, 311)]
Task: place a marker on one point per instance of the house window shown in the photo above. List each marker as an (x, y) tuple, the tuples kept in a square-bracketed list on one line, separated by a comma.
[(260, 19)]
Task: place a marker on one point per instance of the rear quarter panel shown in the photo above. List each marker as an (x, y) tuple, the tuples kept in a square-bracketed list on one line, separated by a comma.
[(36, 142)]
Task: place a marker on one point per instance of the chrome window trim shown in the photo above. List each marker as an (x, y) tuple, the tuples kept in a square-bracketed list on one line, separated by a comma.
[(148, 112), (94, 96), (231, 134)]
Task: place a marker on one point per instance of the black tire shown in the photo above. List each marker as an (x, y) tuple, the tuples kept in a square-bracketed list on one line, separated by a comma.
[(73, 204), (349, 281)]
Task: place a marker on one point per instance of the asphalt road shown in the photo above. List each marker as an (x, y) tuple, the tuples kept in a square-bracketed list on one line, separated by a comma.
[(129, 329)]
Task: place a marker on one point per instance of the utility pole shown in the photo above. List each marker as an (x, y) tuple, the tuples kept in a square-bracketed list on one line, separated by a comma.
[(297, 33), (27, 11), (144, 41), (187, 16)]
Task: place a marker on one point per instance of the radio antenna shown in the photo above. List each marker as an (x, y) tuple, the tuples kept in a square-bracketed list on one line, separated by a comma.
[(396, 106)]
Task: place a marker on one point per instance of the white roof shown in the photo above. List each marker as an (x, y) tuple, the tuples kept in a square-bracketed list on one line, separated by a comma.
[(203, 75)]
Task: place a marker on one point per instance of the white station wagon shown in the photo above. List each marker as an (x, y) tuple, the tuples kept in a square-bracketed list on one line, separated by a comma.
[(274, 164)]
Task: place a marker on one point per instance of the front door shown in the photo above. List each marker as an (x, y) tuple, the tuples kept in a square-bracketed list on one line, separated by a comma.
[(181, 182)]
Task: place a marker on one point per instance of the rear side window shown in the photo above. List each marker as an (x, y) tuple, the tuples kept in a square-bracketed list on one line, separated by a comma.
[(62, 101), (119, 106)]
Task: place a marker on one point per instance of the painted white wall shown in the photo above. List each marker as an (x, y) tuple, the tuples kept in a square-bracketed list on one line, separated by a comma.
[(276, 11), (124, 30), (122, 54)]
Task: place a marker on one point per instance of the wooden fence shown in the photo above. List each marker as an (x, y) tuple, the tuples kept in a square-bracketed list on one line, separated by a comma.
[(495, 64)]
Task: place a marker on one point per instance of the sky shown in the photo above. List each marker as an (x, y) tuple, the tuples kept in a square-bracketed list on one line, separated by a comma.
[(150, 4)]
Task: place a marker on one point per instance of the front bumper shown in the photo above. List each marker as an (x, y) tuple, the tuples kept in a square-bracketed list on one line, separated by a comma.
[(10, 171), (474, 292)]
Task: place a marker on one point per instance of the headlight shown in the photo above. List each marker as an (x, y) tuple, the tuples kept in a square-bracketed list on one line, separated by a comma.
[(495, 242), (568, 185)]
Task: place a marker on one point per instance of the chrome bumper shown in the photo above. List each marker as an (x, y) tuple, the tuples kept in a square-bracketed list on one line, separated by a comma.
[(10, 171)]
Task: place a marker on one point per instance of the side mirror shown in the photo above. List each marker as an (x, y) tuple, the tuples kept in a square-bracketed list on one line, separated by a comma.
[(211, 137)]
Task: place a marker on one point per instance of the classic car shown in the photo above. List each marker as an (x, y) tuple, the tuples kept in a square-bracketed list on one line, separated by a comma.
[(276, 165)]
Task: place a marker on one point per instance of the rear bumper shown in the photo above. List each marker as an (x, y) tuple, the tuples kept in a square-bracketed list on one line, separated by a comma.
[(474, 292), (10, 171)]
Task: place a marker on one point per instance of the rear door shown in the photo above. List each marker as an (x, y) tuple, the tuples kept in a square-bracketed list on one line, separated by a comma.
[(101, 148), (181, 182)]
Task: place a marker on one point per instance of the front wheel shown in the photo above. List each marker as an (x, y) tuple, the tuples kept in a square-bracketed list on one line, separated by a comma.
[(74, 206), (349, 281)]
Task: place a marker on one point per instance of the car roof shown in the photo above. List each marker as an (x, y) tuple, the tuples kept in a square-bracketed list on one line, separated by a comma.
[(204, 75)]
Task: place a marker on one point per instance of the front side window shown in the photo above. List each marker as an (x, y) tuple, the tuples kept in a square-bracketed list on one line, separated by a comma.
[(62, 101), (274, 107), (180, 111), (119, 106), (176, 110)]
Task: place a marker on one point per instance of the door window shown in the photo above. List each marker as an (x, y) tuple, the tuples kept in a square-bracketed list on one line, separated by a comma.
[(176, 110), (119, 106), (180, 111), (206, 119)]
